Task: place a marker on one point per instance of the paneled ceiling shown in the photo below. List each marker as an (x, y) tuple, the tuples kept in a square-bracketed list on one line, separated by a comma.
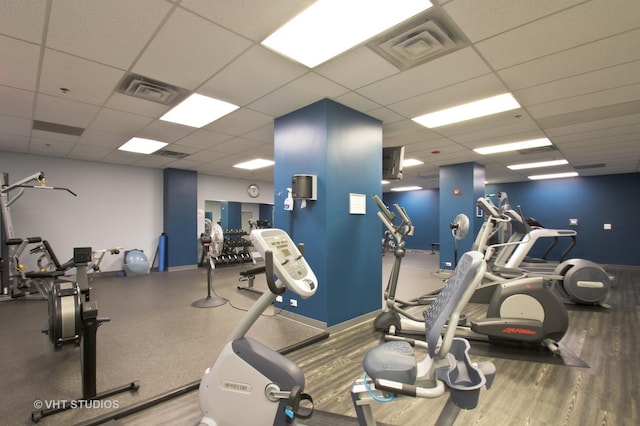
[(573, 65)]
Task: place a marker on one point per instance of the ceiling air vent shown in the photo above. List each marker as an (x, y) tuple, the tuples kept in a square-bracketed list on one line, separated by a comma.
[(172, 154), (418, 41), (538, 150), (45, 126), (151, 90)]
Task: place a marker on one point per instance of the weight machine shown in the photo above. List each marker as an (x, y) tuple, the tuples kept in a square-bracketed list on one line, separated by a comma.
[(14, 281)]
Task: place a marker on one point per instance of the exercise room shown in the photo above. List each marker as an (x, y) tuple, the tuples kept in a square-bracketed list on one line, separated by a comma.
[(319, 212)]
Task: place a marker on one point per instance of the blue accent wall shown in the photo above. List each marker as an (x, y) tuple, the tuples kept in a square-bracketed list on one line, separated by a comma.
[(266, 213), (231, 215), (180, 219), (468, 178), (594, 201), (343, 148)]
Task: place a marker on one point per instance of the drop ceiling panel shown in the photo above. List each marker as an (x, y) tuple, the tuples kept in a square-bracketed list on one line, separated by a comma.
[(15, 125), (102, 139), (618, 76), (591, 100), (255, 73), (13, 14), (239, 122), (136, 105), (86, 81), (357, 68), (236, 146), (13, 143), (118, 122), (23, 70), (165, 131), (594, 56), (255, 19), (587, 131), (455, 94), (183, 53), (560, 31), (458, 66), (89, 152), (111, 32), (203, 139), (480, 20), (16, 102), (50, 147), (299, 93), (263, 134), (64, 111)]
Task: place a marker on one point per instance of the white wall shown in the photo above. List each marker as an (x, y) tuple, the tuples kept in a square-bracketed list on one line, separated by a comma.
[(116, 205)]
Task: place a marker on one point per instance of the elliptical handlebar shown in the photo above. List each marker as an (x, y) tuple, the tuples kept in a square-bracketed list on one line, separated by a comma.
[(400, 231)]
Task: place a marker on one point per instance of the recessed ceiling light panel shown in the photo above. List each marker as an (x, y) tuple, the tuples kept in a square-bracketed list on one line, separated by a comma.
[(142, 146), (329, 27), (554, 176), (468, 111), (537, 165), (198, 111), (514, 146), (254, 164), (406, 188)]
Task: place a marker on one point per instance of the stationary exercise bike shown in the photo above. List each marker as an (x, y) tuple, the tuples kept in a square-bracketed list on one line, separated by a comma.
[(519, 310), (250, 383)]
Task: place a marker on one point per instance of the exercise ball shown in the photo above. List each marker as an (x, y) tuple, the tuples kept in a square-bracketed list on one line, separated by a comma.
[(136, 263)]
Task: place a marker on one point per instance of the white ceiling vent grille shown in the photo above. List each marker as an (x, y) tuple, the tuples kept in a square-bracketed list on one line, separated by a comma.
[(538, 150), (171, 154), (417, 42), (151, 90)]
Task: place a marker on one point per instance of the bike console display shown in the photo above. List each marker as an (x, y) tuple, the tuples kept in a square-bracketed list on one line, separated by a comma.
[(288, 264)]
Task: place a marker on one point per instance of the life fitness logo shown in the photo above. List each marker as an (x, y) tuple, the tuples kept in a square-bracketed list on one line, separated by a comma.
[(516, 330)]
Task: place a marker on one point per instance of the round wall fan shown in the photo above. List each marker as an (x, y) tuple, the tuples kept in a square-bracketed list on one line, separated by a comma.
[(459, 230)]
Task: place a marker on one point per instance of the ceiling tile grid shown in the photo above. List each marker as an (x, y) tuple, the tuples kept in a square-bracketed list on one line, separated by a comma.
[(572, 64)]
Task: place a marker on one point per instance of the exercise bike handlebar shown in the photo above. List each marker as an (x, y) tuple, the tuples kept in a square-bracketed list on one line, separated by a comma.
[(384, 209)]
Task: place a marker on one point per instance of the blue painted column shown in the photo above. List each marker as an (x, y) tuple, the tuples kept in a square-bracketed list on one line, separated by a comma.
[(460, 186), (231, 215), (180, 219), (343, 148)]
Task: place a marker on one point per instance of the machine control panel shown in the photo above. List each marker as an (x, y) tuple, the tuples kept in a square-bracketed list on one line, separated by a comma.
[(288, 263)]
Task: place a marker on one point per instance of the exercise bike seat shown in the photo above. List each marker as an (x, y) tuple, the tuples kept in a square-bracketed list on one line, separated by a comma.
[(393, 361)]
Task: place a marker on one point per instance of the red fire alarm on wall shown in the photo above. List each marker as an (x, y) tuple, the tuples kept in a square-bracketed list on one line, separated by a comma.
[(457, 192)]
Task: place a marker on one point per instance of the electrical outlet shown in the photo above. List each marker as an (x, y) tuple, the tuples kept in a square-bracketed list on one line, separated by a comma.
[(293, 302), (279, 299), (447, 264)]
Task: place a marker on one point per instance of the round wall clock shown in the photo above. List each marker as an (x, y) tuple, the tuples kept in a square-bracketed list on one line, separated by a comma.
[(253, 190)]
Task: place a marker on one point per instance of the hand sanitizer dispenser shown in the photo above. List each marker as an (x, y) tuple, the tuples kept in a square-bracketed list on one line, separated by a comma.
[(288, 202)]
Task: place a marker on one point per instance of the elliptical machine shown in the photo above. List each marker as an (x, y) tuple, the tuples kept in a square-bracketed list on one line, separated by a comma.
[(250, 383), (519, 310), (574, 281)]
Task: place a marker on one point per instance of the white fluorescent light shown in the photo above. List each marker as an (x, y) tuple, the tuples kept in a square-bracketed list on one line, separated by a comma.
[(553, 176), (537, 165), (254, 164), (515, 146), (142, 146), (385, 182), (408, 162), (406, 188), (329, 27), (198, 111), (471, 110)]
